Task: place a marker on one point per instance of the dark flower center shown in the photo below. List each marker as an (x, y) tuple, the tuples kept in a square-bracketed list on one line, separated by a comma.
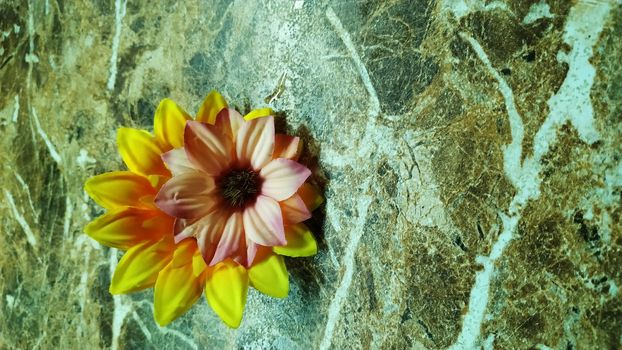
[(239, 187)]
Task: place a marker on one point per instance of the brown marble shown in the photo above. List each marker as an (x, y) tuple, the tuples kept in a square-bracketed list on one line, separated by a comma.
[(469, 153)]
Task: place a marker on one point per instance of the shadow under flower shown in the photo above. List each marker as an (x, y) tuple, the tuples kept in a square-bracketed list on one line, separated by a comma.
[(306, 272)]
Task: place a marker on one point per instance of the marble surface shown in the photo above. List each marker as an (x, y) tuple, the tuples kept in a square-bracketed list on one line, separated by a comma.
[(469, 153)]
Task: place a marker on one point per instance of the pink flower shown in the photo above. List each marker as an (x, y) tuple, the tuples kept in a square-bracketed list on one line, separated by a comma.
[(234, 187)]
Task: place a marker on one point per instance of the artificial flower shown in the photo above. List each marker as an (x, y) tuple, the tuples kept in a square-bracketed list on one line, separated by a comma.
[(231, 190), (208, 205)]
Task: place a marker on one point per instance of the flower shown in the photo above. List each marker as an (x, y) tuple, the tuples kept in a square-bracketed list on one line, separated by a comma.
[(193, 249), (234, 187)]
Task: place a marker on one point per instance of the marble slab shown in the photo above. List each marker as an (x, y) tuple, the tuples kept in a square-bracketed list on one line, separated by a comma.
[(468, 150)]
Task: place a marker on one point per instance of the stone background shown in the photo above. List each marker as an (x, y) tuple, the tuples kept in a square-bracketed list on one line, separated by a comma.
[(469, 152)]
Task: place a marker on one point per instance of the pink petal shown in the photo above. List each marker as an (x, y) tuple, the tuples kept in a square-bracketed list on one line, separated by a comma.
[(183, 235), (241, 260), (180, 229), (208, 231), (286, 146), (294, 210), (229, 121), (282, 178), (251, 252), (263, 222), (177, 161), (231, 239), (189, 195), (255, 142), (207, 148)]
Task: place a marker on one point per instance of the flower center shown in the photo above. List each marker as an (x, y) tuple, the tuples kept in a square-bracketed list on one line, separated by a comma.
[(239, 186)]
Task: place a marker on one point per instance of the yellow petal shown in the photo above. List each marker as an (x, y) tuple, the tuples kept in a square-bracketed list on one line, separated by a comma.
[(140, 152), (226, 288), (120, 189), (269, 276), (123, 228), (310, 195), (198, 264), (139, 267), (157, 181), (258, 113), (184, 252), (300, 242), (187, 253), (176, 290), (169, 123), (213, 103)]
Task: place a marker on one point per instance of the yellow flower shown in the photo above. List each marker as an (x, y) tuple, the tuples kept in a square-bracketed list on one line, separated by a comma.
[(175, 266)]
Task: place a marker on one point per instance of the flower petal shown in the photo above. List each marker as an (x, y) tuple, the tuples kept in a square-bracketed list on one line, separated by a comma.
[(213, 103), (178, 286), (269, 275), (207, 148), (157, 181), (140, 152), (258, 113), (189, 195), (169, 123), (294, 210), (226, 289), (180, 231), (286, 146), (310, 194), (123, 228), (198, 265), (120, 189), (255, 142), (251, 251), (300, 242), (282, 178), (176, 290), (208, 231), (184, 252), (139, 267), (231, 240), (229, 122), (177, 161), (263, 222)]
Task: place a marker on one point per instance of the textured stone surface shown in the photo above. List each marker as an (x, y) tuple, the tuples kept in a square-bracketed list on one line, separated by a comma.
[(469, 152)]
